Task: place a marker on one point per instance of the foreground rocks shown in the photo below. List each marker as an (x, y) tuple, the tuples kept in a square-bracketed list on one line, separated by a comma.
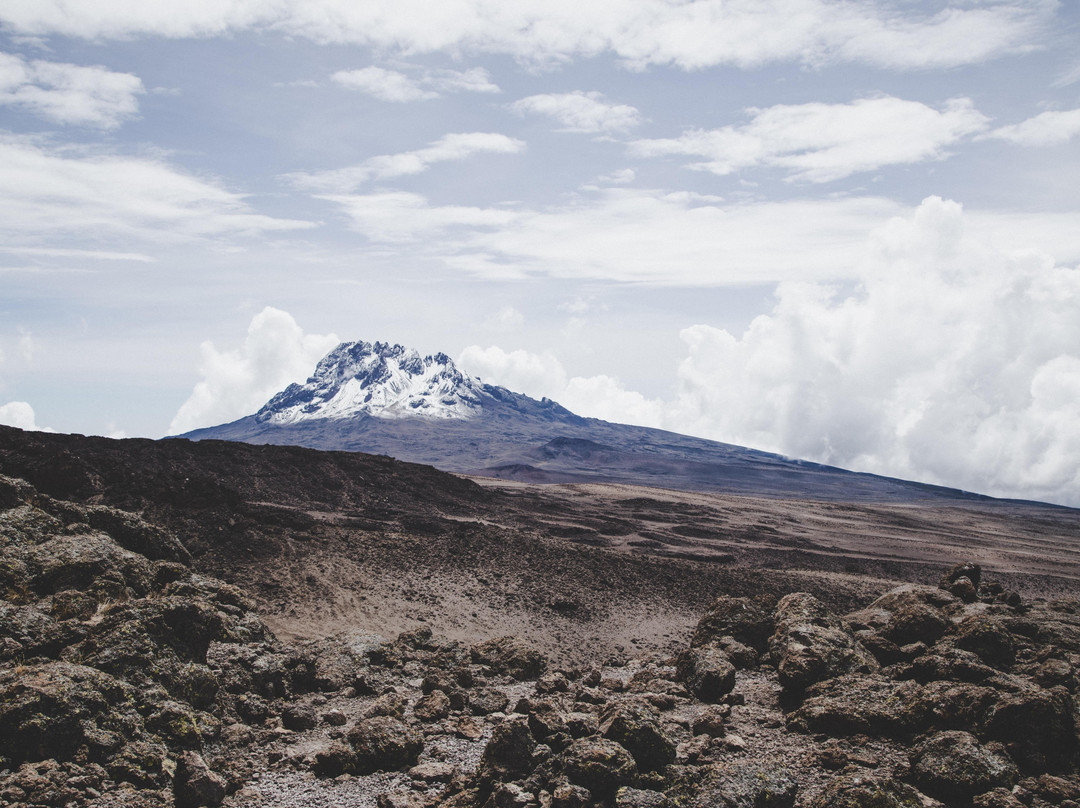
[(126, 679)]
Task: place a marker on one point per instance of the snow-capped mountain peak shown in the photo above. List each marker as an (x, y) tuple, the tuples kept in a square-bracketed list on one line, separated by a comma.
[(381, 380)]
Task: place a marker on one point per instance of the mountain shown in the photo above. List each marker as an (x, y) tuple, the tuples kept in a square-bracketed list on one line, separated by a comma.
[(359, 379), (387, 399)]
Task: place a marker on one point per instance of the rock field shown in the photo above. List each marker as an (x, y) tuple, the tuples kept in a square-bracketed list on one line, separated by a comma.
[(127, 678)]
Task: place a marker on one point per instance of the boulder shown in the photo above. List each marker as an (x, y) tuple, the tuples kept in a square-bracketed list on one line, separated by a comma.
[(599, 765), (435, 706), (907, 614), (810, 646), (134, 534), (954, 767), (627, 797), (568, 795), (1037, 726), (298, 717), (53, 709), (384, 744), (997, 798), (968, 569), (635, 728), (707, 672), (748, 621), (487, 700), (335, 759), (748, 785), (712, 721), (548, 725), (195, 785), (88, 562), (949, 662), (864, 790), (508, 754), (862, 705), (510, 656), (987, 638)]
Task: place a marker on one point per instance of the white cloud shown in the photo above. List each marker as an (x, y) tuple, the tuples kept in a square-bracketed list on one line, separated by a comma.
[(452, 147), (392, 85), (953, 363), (580, 111), (48, 193), (1054, 128), (535, 375), (473, 80), (691, 35), (606, 398), (67, 93), (543, 375), (578, 306), (65, 252), (507, 318), (275, 353), (825, 142), (1068, 78), (631, 236), (648, 237), (402, 217), (620, 176), (21, 415), (386, 85)]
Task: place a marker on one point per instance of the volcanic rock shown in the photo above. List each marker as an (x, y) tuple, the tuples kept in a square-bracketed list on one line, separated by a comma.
[(599, 765), (384, 744), (955, 767)]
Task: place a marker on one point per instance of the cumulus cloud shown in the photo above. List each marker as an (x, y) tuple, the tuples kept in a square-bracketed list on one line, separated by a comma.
[(48, 192), (536, 375), (580, 111), (952, 363), (67, 93), (691, 35), (21, 415), (392, 85), (386, 85), (826, 142), (235, 383), (1054, 128), (542, 375), (452, 147)]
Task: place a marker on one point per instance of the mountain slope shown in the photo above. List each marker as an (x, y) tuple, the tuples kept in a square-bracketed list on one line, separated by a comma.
[(385, 399)]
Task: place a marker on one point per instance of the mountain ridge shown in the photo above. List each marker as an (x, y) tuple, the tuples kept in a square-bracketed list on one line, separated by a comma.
[(388, 381), (386, 399)]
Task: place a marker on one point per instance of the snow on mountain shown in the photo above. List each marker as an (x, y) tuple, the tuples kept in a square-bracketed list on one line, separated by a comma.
[(381, 380)]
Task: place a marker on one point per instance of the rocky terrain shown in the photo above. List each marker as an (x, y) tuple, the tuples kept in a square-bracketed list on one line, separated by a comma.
[(397, 637)]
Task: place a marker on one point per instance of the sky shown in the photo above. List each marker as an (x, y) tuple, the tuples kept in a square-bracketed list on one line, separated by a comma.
[(845, 231)]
